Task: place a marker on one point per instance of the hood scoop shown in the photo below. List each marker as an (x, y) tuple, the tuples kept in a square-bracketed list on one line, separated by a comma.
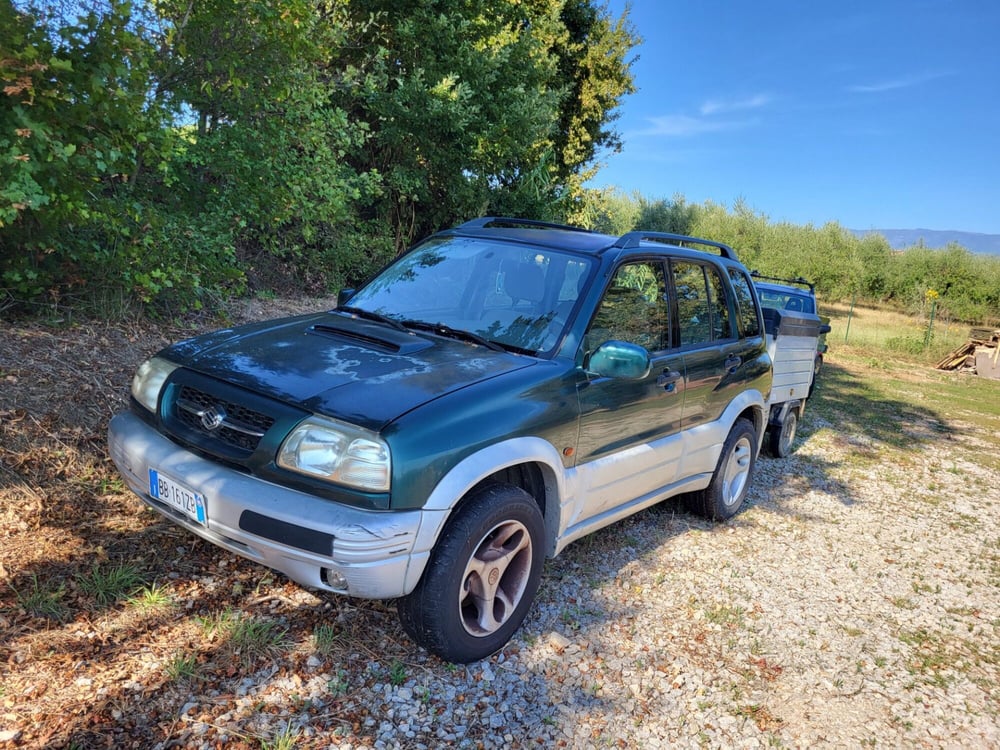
[(371, 336)]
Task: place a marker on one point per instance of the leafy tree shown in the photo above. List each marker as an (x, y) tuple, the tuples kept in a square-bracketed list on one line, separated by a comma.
[(614, 212), (594, 71), (479, 106), (608, 210), (266, 155), (743, 230), (73, 114), (675, 216), (167, 151), (158, 155)]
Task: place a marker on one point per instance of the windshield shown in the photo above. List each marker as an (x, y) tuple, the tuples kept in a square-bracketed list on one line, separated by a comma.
[(787, 300), (516, 296)]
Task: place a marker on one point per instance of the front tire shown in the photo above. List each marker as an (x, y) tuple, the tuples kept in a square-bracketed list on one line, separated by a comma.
[(724, 496), (481, 579)]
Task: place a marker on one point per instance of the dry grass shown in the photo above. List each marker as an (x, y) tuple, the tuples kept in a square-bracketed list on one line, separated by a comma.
[(883, 331), (143, 661)]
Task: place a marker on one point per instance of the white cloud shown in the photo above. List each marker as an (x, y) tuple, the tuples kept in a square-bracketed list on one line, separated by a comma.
[(715, 106), (685, 126), (711, 118), (895, 83)]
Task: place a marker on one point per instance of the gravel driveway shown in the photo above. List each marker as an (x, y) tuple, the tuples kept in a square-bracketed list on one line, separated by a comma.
[(853, 604)]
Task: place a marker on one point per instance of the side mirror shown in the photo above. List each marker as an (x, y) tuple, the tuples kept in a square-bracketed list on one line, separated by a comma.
[(618, 359), (824, 329), (344, 295)]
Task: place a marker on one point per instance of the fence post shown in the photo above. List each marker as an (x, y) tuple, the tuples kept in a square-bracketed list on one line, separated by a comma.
[(930, 295), (849, 316), (930, 325)]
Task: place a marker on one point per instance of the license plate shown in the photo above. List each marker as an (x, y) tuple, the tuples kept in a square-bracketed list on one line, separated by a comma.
[(176, 495)]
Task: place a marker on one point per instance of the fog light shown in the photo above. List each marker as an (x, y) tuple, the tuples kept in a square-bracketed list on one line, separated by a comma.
[(335, 579)]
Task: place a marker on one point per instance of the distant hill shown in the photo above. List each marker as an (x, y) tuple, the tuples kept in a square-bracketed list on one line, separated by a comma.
[(903, 238)]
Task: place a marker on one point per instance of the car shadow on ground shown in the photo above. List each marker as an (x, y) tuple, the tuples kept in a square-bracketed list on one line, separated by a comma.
[(105, 527), (580, 601)]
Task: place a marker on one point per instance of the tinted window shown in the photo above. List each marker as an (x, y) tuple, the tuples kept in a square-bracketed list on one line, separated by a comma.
[(746, 311), (791, 300), (694, 303), (633, 309), (510, 293), (721, 327)]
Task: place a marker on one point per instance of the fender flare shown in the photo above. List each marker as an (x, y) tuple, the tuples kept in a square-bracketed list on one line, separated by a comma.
[(472, 469)]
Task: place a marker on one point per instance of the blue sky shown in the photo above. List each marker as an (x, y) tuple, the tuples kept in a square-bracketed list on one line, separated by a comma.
[(881, 114)]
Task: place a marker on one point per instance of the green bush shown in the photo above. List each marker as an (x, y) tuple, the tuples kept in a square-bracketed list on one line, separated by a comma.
[(905, 345)]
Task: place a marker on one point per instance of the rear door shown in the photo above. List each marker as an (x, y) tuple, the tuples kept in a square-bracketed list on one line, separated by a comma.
[(714, 352)]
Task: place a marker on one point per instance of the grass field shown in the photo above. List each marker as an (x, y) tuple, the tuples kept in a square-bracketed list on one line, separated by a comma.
[(899, 378), (892, 334)]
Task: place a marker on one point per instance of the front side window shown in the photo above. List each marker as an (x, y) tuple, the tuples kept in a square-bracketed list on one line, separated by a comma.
[(634, 309)]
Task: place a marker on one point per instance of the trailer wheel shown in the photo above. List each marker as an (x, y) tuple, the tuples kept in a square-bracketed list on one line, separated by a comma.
[(781, 438), (817, 364)]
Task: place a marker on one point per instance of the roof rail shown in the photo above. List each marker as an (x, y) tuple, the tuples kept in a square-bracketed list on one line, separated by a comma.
[(484, 222), (798, 280), (632, 239)]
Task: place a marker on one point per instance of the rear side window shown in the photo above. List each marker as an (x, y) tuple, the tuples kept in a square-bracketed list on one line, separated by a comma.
[(702, 308), (746, 311), (721, 327)]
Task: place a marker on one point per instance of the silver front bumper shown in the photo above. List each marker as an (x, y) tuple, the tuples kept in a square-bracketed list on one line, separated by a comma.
[(380, 554)]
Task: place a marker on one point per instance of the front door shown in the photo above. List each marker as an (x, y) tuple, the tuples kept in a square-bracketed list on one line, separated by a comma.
[(628, 445)]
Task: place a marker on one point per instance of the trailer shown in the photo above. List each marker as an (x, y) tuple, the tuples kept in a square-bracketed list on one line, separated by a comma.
[(792, 340)]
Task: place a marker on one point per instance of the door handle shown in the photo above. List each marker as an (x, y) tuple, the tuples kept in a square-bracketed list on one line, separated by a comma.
[(668, 380), (732, 363)]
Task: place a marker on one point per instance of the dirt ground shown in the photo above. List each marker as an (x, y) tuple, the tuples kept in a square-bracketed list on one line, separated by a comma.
[(117, 629), (66, 518)]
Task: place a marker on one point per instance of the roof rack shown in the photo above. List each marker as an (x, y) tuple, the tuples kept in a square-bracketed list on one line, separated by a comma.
[(484, 222), (633, 239), (797, 280)]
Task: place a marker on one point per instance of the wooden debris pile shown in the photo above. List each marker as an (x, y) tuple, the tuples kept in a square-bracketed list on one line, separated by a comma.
[(980, 355)]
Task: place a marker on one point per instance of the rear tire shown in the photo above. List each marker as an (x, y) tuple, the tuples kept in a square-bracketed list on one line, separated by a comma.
[(481, 578), (724, 496)]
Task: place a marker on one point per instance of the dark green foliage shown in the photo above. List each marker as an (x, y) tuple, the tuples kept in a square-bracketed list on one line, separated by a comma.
[(72, 115), (479, 106), (675, 217), (615, 213), (172, 152)]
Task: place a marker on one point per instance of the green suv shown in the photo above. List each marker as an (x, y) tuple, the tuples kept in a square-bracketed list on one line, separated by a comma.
[(501, 390)]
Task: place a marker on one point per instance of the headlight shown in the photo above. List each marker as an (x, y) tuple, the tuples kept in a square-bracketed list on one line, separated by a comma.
[(149, 380), (337, 452)]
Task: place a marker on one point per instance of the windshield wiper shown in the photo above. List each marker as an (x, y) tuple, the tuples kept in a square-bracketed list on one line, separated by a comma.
[(369, 315), (453, 333)]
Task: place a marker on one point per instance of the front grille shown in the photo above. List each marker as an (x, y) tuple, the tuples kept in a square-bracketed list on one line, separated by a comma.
[(219, 419)]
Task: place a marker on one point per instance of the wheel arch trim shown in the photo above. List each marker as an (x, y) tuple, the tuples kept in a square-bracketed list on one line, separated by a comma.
[(473, 469)]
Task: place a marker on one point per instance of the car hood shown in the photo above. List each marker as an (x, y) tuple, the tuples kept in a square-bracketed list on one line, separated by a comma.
[(362, 372)]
